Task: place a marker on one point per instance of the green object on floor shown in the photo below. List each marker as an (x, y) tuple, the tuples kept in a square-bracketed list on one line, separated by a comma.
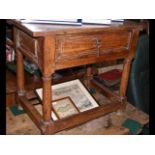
[(16, 111), (132, 125)]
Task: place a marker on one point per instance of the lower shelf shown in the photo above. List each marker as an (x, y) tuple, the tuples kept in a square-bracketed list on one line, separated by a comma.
[(52, 127)]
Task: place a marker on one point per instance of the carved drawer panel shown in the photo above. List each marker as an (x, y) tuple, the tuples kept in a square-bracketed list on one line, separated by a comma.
[(26, 42), (29, 46), (82, 46), (76, 46), (115, 41)]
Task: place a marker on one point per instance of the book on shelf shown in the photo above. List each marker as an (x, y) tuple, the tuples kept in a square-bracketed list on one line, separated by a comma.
[(110, 78), (10, 54)]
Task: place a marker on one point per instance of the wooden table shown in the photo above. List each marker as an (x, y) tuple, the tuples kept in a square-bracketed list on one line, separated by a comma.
[(55, 47)]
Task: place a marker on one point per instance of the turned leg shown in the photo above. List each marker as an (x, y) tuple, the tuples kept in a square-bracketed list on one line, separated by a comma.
[(47, 71), (20, 75), (48, 68), (47, 98), (89, 76), (124, 80)]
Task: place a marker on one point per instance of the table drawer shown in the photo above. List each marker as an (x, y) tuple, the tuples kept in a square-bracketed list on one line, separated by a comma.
[(30, 46), (75, 46), (115, 41), (81, 46), (27, 42)]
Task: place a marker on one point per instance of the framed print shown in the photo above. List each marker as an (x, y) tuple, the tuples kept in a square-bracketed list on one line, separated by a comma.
[(76, 91), (64, 107)]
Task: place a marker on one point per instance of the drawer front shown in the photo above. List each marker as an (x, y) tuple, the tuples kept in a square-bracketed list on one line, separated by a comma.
[(75, 46), (29, 46), (115, 41), (70, 47), (26, 42)]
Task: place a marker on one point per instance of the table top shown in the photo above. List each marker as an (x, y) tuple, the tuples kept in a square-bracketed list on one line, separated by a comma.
[(48, 29)]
